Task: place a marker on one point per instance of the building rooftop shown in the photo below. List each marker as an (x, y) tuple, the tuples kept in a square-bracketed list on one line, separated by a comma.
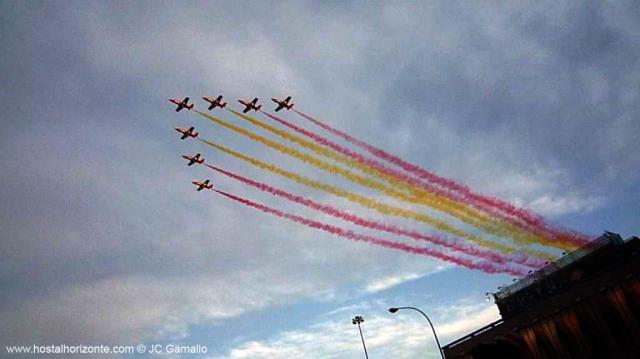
[(576, 277), (586, 262)]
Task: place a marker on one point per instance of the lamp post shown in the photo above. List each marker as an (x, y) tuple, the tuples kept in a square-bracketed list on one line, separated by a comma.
[(357, 320), (395, 309)]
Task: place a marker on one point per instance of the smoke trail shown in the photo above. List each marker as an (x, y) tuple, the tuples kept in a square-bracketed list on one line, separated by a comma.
[(452, 243), (375, 205), (432, 194), (356, 179), (303, 157), (457, 210), (463, 192), (348, 234)]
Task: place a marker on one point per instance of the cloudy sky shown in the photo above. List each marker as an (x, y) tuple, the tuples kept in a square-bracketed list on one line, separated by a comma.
[(104, 240)]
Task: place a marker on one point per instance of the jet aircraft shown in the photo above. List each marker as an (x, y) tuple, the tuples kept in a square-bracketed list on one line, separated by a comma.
[(248, 106), (187, 133), (181, 104), (202, 185), (215, 102), (194, 159), (283, 103)]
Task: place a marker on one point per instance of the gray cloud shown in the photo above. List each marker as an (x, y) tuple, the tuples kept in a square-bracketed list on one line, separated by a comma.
[(536, 103)]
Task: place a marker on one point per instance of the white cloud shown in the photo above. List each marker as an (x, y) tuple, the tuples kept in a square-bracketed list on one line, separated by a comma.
[(403, 335), (390, 281), (153, 267)]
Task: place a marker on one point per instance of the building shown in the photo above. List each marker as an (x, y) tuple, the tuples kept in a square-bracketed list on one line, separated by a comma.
[(584, 305)]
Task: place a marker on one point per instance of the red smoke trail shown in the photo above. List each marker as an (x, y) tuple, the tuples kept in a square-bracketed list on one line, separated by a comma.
[(348, 234), (399, 175), (461, 193), (454, 244), (543, 232)]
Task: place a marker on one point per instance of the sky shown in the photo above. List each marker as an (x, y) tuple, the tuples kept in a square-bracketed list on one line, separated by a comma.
[(105, 241)]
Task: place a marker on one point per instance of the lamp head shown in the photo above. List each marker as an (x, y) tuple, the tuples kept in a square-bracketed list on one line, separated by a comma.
[(393, 310)]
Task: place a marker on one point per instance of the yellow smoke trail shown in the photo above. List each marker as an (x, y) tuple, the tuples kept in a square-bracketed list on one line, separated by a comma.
[(310, 159), (375, 205), (419, 196)]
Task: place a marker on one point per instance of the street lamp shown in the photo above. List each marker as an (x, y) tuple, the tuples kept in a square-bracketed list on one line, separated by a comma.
[(395, 309), (357, 320)]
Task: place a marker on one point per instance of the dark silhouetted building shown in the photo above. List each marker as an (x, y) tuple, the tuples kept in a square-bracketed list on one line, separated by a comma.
[(584, 305)]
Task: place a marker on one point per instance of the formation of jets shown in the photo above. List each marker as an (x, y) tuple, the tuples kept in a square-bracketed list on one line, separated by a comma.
[(217, 102), (213, 103)]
